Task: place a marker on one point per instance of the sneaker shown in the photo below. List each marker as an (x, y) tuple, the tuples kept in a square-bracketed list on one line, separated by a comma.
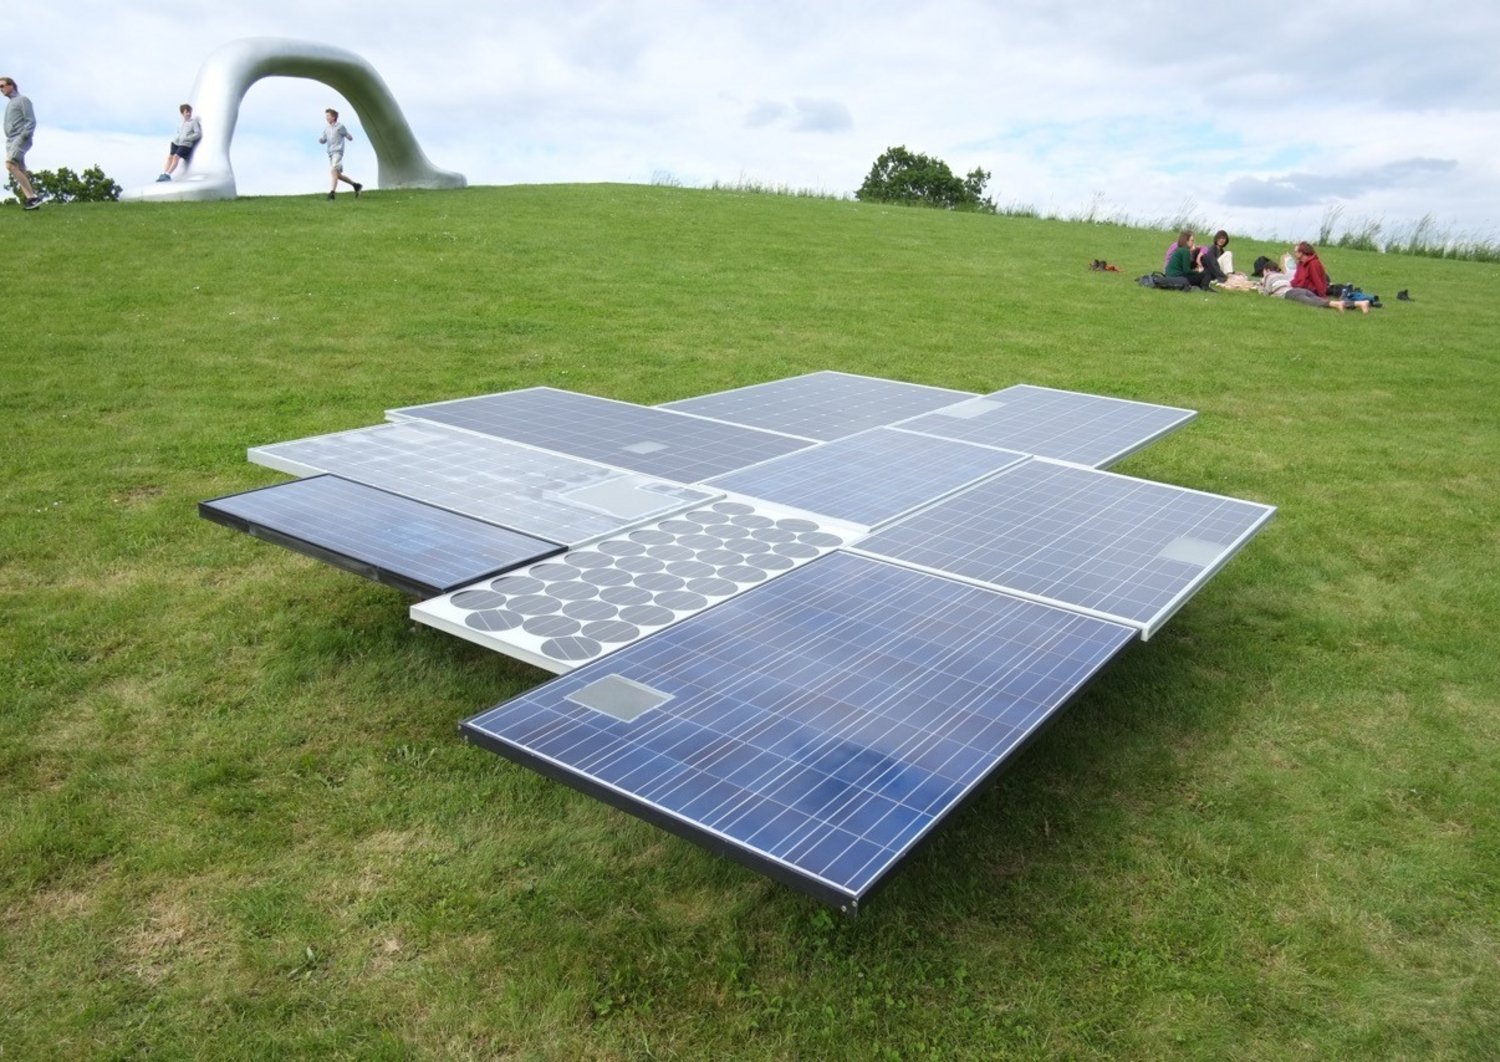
[(164, 177), (330, 195), (34, 203), (357, 189)]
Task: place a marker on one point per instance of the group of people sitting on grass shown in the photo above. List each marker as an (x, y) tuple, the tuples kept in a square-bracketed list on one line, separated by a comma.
[(1212, 267)]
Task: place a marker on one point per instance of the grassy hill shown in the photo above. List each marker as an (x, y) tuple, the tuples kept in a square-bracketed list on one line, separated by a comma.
[(237, 822)]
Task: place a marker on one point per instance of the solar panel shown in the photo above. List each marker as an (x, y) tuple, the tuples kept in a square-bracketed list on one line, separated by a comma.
[(869, 478), (657, 442), (591, 601), (561, 499), (820, 405), (817, 728), (1085, 429), (392, 540), (1126, 549)]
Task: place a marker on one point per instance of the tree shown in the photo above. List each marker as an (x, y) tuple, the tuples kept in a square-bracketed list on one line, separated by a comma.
[(62, 185), (899, 176)]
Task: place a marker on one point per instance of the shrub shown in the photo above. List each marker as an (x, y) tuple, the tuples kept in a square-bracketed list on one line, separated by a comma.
[(62, 185)]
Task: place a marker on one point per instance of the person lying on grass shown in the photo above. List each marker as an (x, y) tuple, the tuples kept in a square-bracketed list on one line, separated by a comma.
[(1277, 284)]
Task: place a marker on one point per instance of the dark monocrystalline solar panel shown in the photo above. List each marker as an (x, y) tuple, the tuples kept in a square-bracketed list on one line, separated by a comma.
[(821, 405), (869, 478), (657, 442), (384, 537), (1085, 429), (817, 727), (1124, 548)]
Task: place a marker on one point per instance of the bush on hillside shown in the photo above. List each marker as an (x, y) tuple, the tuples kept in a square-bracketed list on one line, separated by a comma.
[(899, 176), (62, 185)]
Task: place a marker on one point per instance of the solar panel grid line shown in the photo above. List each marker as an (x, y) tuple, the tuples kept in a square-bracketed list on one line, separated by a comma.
[(800, 774)]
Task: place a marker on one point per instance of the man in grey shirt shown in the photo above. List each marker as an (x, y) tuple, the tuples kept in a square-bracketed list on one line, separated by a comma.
[(189, 132), (20, 123)]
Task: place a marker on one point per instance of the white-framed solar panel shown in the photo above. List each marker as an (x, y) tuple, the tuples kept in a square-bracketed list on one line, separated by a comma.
[(870, 478), (1092, 430), (1121, 548), (644, 439), (822, 405), (818, 728), (416, 548), (592, 601), (561, 499)]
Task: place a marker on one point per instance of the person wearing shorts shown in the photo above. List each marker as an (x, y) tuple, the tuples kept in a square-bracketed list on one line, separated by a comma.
[(334, 136), (20, 124), (189, 132)]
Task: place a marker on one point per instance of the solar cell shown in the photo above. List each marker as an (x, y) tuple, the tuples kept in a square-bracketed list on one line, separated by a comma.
[(817, 728), (869, 478), (591, 601), (558, 498), (1085, 429), (656, 442), (402, 543), (1123, 548), (821, 405)]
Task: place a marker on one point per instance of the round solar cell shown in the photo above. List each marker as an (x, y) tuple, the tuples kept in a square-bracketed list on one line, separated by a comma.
[(516, 584), (534, 604), (477, 599), (589, 610), (658, 582), (626, 595), (742, 573), (681, 600), (612, 631), (573, 590), (589, 559), (571, 648), (493, 620), (647, 615), (551, 626)]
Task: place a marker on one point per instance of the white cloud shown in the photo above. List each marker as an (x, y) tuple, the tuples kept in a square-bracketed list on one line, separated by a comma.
[(1257, 121)]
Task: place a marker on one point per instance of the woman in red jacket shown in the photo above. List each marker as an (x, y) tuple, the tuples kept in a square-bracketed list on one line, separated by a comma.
[(1310, 274)]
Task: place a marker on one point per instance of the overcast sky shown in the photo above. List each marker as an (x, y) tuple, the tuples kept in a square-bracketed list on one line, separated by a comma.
[(1256, 117)]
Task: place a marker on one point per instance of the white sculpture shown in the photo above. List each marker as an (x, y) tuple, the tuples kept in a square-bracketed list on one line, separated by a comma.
[(227, 75)]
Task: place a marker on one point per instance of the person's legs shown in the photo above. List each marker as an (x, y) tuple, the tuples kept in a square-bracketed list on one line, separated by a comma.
[(22, 179), (1211, 265)]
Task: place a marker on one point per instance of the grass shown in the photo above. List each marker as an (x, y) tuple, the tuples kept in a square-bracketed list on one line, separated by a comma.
[(237, 822)]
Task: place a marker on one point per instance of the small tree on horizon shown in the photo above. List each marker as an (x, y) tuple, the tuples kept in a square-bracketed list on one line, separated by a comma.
[(899, 176), (64, 186)]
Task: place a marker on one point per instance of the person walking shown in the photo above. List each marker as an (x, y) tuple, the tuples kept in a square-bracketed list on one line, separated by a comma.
[(334, 136), (189, 132), (20, 124)]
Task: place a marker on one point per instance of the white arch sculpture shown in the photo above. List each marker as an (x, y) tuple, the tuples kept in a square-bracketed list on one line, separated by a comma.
[(229, 72)]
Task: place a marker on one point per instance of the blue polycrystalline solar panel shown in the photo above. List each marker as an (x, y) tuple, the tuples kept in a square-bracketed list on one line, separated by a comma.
[(816, 728), (657, 442), (821, 405), (1085, 429), (590, 601), (558, 498), (870, 478), (1118, 547), (390, 539)]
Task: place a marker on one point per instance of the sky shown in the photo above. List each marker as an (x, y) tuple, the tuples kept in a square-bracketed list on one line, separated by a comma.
[(1264, 120)]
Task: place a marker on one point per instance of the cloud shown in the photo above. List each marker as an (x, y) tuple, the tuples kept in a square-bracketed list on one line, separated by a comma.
[(1309, 189), (821, 116)]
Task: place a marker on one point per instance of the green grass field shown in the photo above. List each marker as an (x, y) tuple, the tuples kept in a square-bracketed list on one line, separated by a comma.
[(237, 822)]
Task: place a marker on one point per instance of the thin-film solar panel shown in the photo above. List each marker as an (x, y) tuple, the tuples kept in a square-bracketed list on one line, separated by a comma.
[(413, 547), (817, 728)]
